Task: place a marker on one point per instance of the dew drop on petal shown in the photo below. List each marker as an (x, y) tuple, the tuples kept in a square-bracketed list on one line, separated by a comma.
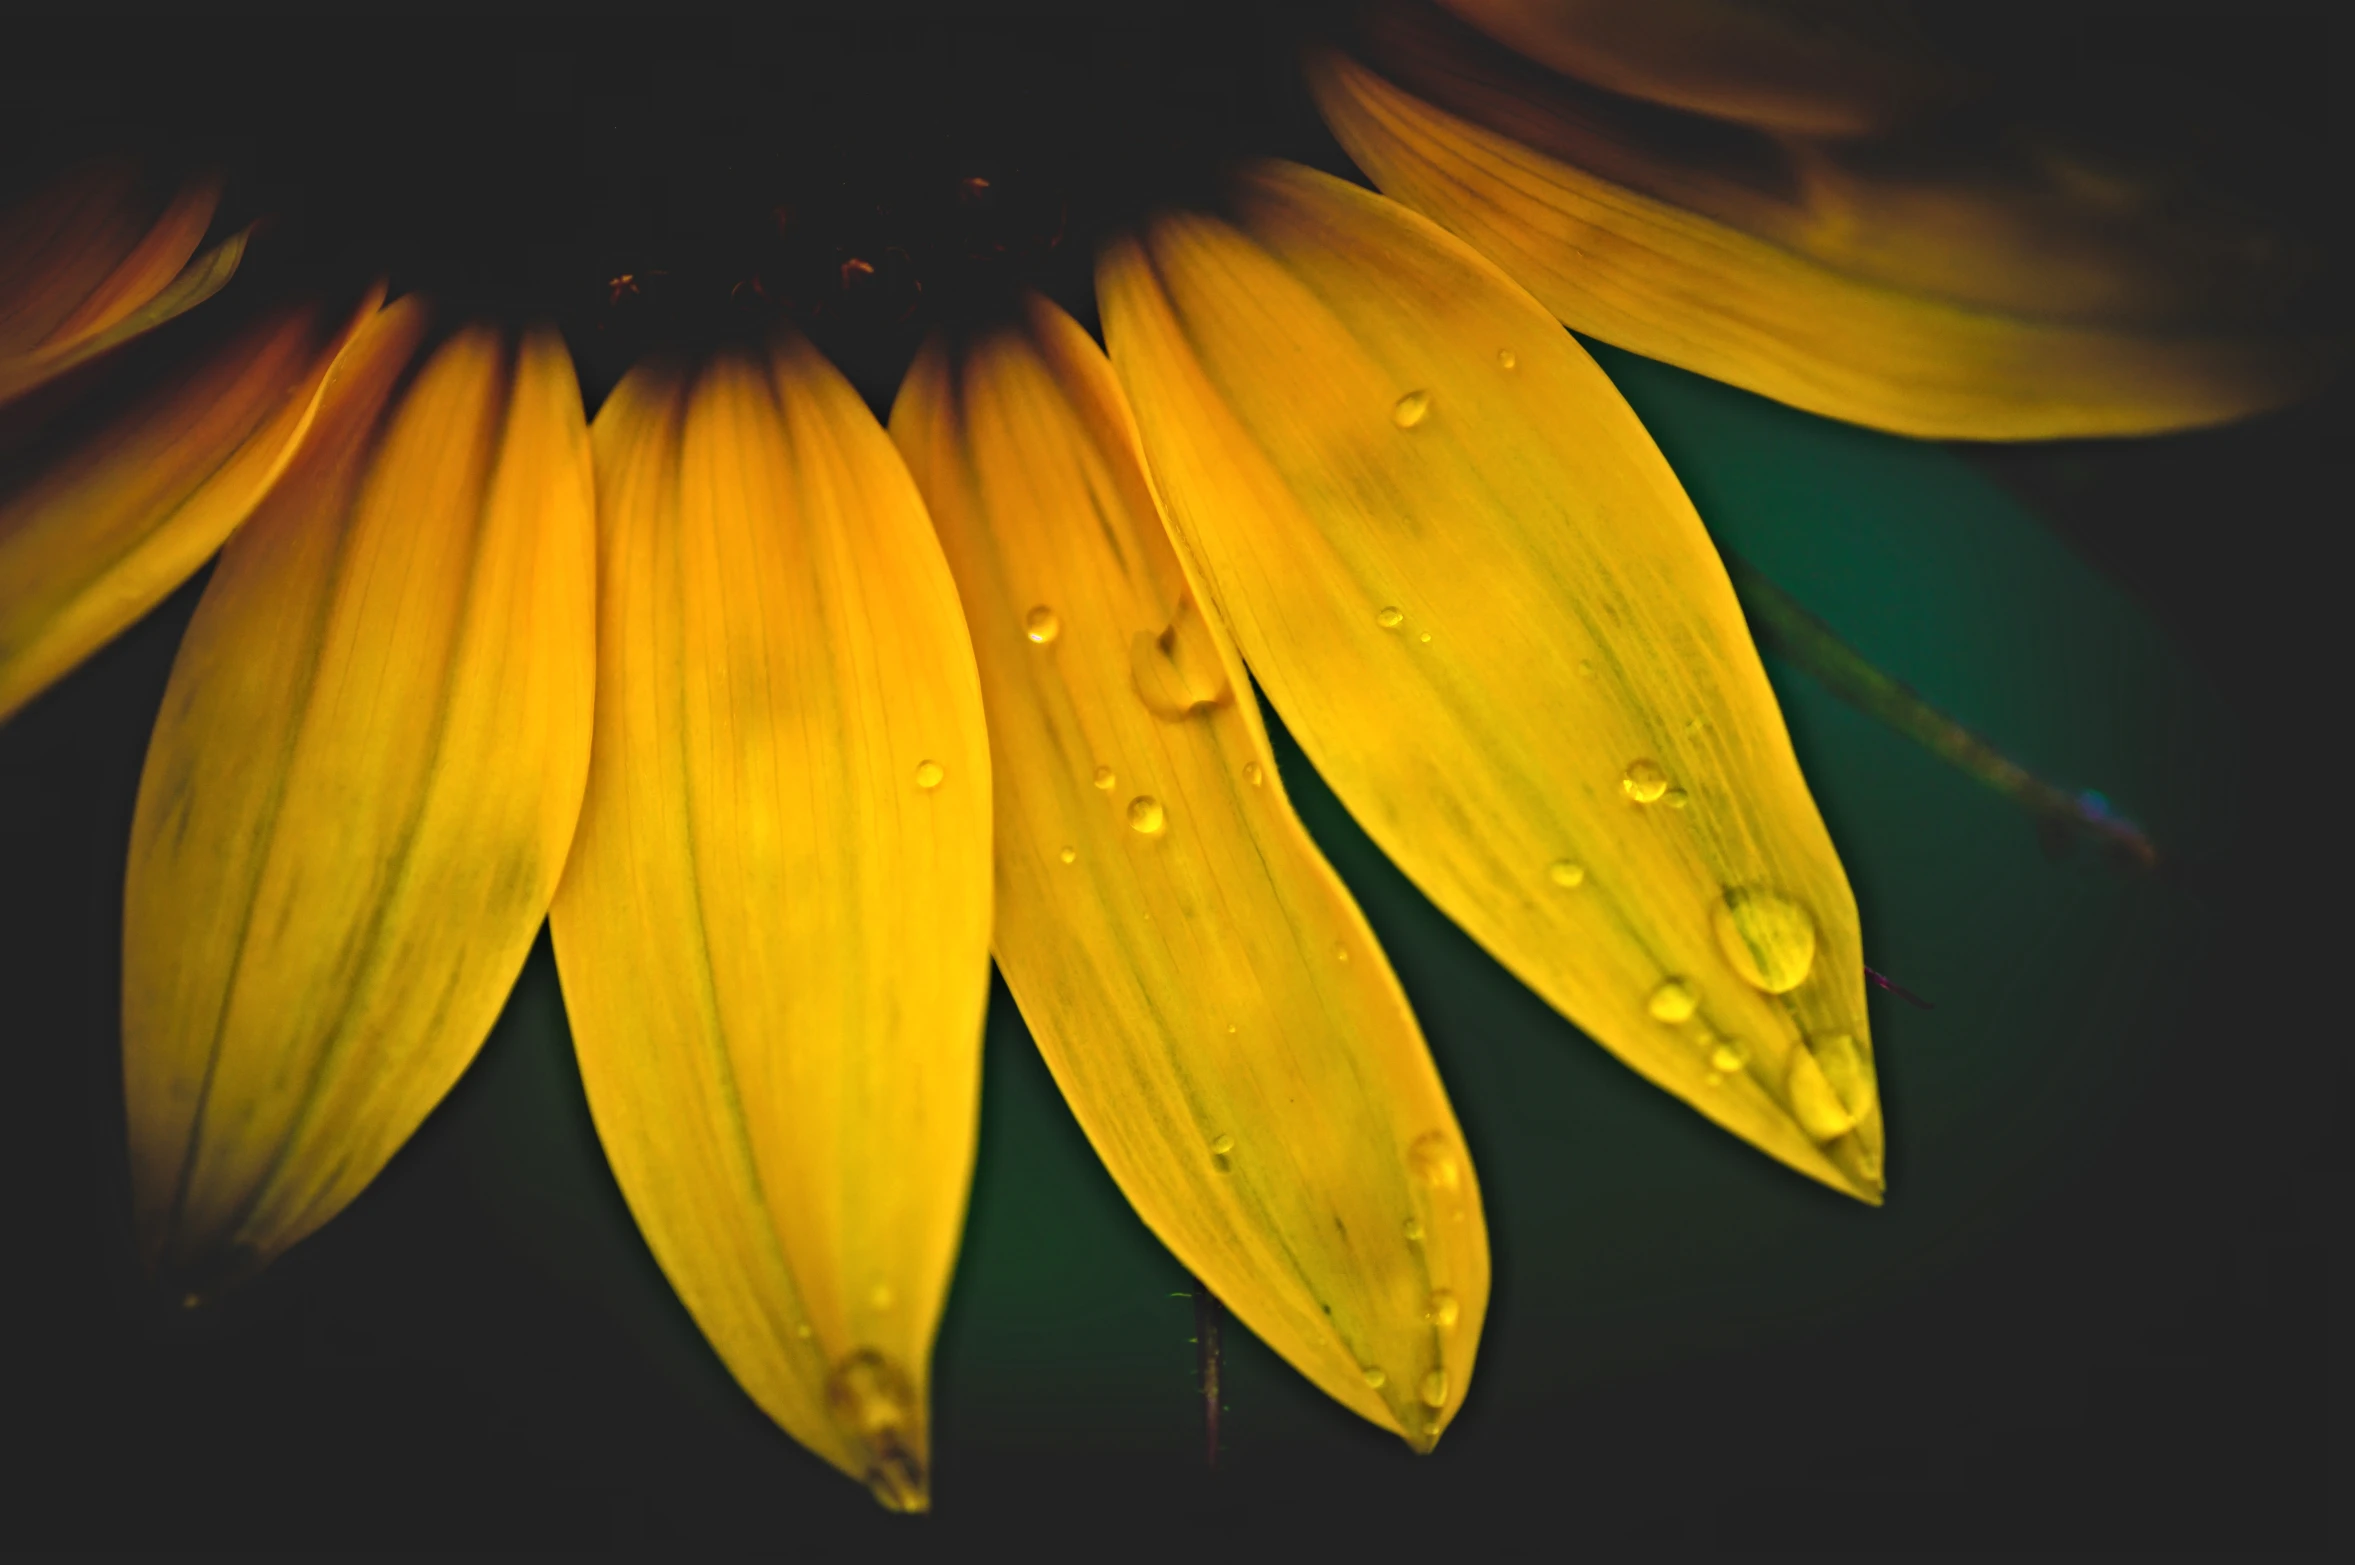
[(1375, 1378), (1767, 938), (1105, 778), (1041, 625), (1586, 670), (1340, 953), (1409, 410), (1673, 1001), (1567, 873), (1442, 1310), (1222, 1143), (1815, 1104), (1434, 1389), (929, 774), (1849, 1068), (1389, 618), (1413, 1229), (1069, 855), (1675, 798), (1146, 815), (1254, 773), (1643, 781), (1424, 638), (1432, 1158), (880, 1297), (1505, 359), (1727, 1057)]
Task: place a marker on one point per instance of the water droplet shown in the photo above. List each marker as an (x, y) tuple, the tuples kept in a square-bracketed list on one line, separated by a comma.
[(1041, 625), (880, 1296), (1675, 798), (1586, 670), (1178, 672), (1432, 1158), (1413, 1229), (1848, 1066), (1424, 638), (1815, 1104), (1105, 778), (1727, 1057), (1221, 1144), (1567, 873), (1231, 1028), (1713, 1079), (1673, 1001), (1254, 773), (803, 1331), (1694, 725), (1145, 815), (1375, 1378), (1644, 781), (1767, 937), (1340, 953), (1434, 1389), (1409, 410), (929, 774), (1443, 1311), (1069, 855), (1505, 359), (1389, 618)]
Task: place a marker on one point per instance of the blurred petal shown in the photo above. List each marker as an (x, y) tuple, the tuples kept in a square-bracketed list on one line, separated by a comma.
[(774, 930), (1192, 969), (359, 792), (1867, 295), (111, 499), (1820, 67), (1469, 581), (88, 261)]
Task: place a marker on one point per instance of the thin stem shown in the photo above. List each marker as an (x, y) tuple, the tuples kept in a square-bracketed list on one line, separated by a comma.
[(1779, 621), (1206, 1312)]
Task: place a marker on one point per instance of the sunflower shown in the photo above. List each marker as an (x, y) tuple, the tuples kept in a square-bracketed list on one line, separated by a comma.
[(787, 721)]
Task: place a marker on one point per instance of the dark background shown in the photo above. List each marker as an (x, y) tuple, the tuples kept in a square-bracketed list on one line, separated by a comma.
[(2094, 1314)]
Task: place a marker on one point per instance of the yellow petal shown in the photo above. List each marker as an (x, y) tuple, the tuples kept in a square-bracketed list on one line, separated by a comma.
[(1208, 996), (359, 792), (83, 266), (115, 497), (1469, 581), (1819, 67), (773, 933), (1676, 283)]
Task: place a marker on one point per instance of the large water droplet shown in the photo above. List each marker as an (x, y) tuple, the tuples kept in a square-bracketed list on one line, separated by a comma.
[(1848, 1066), (1041, 625), (1389, 618), (1442, 1310), (1815, 1103), (1408, 411), (1432, 1158), (1433, 1390), (1176, 671), (1145, 814), (1643, 781), (1567, 873), (1375, 1378), (1766, 937), (1673, 1001), (929, 774), (1105, 778)]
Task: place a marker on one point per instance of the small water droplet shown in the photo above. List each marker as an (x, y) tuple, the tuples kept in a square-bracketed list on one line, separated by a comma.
[(1673, 1001), (1442, 1310), (1505, 359), (1713, 1079), (1694, 725), (1375, 1378), (1221, 1144), (880, 1296), (1408, 411), (1433, 1160), (1254, 773), (1567, 873), (1643, 781), (1424, 638), (1105, 778), (1586, 670), (1675, 798), (1069, 855), (1389, 618), (1815, 1104), (1145, 815), (1041, 625), (1727, 1057), (1340, 953), (1767, 938), (1434, 1389), (1413, 1229), (1232, 1028), (929, 774)]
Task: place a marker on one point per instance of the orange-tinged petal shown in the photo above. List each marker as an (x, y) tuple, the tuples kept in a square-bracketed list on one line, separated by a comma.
[(773, 932), (1208, 996), (1468, 579), (113, 499), (1677, 283), (359, 793)]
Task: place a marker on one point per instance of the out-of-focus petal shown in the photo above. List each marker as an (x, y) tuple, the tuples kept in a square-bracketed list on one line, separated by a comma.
[(1469, 581), (1826, 280), (774, 930), (1208, 996), (359, 793)]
